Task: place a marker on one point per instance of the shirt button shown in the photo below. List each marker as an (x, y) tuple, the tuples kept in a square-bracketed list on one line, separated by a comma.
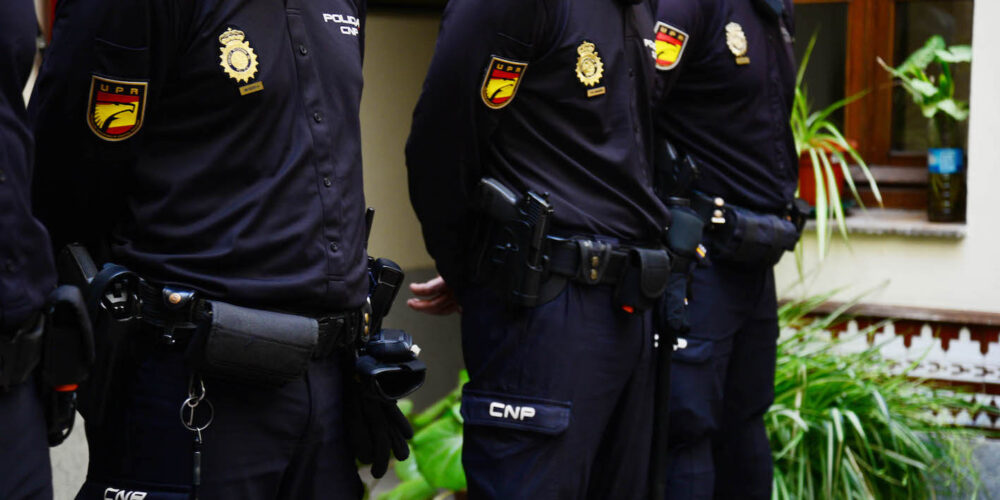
[(318, 117), (631, 73), (303, 50), (3, 176), (334, 247), (327, 182)]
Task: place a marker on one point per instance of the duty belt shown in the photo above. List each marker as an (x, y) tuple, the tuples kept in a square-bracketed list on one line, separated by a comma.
[(177, 312), (639, 274), (589, 262)]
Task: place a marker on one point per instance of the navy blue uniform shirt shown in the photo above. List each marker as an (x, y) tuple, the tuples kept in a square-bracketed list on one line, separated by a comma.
[(546, 95), (26, 270), (216, 143), (726, 85)]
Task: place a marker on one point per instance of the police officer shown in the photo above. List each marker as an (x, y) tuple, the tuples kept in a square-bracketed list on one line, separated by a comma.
[(213, 149), (27, 274), (726, 84), (538, 106)]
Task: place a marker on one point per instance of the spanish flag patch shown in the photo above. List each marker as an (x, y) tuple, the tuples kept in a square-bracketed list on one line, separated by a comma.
[(670, 43), (500, 84), (115, 108)]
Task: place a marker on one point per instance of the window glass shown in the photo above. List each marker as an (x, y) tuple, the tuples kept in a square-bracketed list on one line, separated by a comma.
[(824, 79), (916, 21)]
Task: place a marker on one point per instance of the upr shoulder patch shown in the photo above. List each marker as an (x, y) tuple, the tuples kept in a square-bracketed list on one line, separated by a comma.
[(502, 79), (670, 44), (116, 107)]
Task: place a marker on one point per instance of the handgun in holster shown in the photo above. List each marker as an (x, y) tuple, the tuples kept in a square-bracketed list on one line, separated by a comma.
[(513, 256), (386, 361), (111, 298), (674, 178)]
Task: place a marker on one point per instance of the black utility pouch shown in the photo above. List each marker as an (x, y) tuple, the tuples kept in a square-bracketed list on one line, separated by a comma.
[(252, 346), (69, 340), (644, 280), (754, 239), (20, 353), (68, 356)]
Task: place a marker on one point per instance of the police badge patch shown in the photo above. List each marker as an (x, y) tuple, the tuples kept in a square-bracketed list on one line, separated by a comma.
[(502, 79), (736, 40), (670, 44), (238, 59), (115, 108), (589, 67)]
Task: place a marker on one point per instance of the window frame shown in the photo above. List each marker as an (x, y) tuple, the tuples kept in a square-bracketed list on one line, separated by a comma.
[(871, 35)]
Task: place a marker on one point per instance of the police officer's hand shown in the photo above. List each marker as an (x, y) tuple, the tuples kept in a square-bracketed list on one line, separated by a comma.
[(433, 297)]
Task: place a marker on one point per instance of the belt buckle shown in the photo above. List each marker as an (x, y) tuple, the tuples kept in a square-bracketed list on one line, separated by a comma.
[(594, 259)]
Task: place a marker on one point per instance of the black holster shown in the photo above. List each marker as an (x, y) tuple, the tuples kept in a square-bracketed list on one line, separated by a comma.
[(112, 304), (511, 235), (385, 362), (387, 367)]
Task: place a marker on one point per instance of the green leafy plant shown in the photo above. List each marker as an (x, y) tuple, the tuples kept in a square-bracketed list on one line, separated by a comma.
[(844, 426), (817, 137), (927, 76), (434, 469)]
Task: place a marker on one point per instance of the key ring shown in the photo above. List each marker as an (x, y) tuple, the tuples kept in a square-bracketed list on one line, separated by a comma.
[(196, 396), (188, 421), (196, 391)]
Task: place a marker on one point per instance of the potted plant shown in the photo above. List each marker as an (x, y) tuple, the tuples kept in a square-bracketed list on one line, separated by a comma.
[(927, 76), (824, 159)]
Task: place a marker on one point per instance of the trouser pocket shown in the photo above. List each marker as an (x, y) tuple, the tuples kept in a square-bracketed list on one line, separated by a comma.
[(697, 351), (696, 392), (509, 411), (111, 490)]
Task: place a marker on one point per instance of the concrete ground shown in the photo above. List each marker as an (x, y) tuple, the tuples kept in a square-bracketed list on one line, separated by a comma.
[(988, 456)]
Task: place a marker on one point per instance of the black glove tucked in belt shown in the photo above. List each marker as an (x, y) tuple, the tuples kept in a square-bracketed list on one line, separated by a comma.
[(385, 370)]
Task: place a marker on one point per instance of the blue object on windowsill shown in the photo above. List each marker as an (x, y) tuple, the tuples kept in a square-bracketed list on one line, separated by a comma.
[(945, 160)]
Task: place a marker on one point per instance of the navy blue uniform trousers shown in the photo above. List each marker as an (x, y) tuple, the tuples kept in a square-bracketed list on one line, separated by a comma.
[(264, 443), (722, 384), (559, 401), (25, 471)]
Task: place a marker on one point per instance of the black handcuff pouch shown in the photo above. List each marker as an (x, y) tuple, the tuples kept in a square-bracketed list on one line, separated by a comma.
[(67, 358), (20, 353), (252, 346), (644, 279), (69, 339), (752, 238)]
